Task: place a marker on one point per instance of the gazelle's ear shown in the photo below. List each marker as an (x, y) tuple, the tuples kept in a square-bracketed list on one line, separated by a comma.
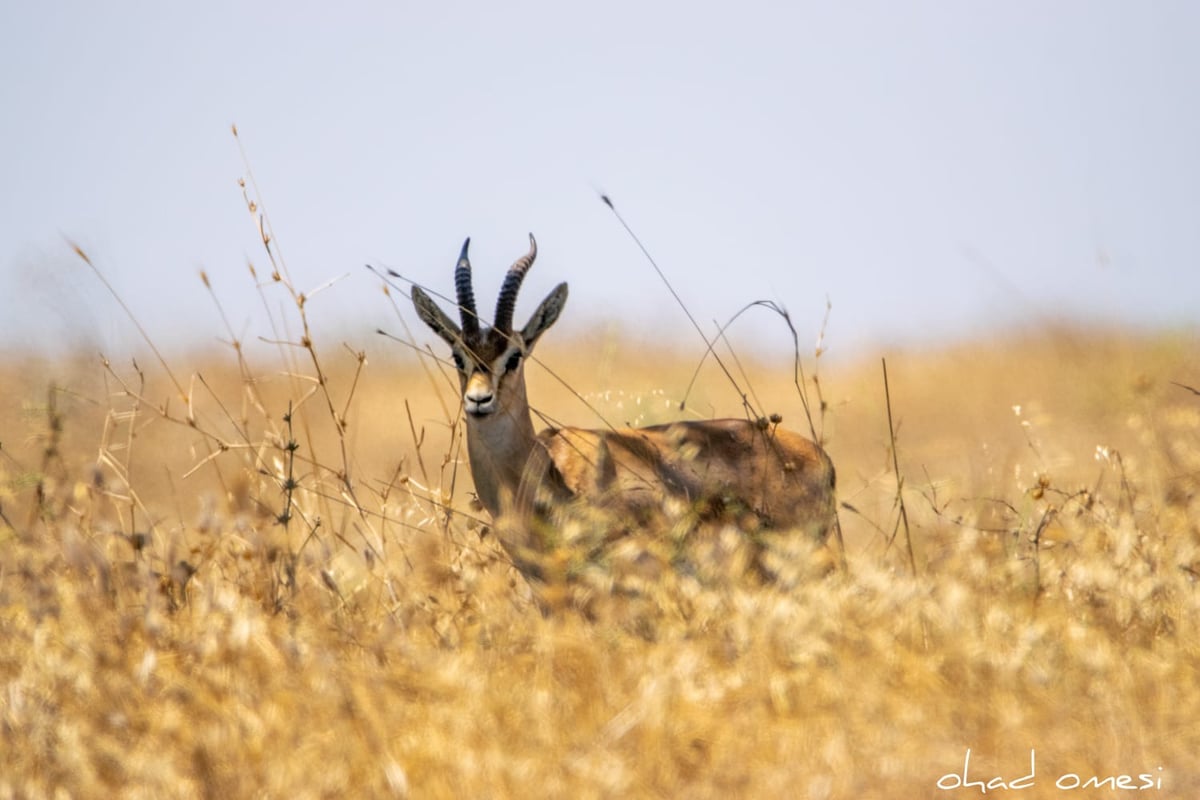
[(435, 318), (545, 316)]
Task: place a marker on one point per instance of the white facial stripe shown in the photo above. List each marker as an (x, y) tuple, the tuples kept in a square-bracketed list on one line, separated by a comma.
[(510, 361)]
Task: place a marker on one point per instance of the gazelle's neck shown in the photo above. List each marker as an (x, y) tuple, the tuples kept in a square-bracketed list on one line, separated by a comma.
[(500, 446)]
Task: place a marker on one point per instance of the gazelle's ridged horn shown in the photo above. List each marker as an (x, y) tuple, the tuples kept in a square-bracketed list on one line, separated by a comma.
[(512, 284), (466, 295)]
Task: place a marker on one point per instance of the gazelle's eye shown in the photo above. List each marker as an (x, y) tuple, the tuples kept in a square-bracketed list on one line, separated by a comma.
[(458, 361), (513, 362)]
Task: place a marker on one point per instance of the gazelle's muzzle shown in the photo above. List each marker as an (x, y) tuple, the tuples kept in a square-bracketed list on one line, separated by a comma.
[(479, 399)]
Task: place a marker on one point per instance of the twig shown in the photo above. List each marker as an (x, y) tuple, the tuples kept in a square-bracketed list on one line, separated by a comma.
[(903, 519), (679, 300)]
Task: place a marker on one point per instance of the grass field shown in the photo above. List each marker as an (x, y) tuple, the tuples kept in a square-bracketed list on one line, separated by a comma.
[(192, 605)]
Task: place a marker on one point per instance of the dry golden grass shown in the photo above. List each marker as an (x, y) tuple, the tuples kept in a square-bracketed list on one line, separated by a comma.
[(165, 632)]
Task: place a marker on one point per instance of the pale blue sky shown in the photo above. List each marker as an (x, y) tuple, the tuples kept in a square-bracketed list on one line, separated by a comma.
[(932, 168)]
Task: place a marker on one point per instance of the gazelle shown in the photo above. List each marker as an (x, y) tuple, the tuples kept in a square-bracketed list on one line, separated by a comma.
[(766, 476)]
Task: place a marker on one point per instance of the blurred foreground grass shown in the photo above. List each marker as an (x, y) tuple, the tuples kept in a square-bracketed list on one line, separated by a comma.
[(190, 606)]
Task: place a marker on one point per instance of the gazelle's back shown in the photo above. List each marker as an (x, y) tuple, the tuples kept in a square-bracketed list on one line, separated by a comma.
[(765, 475)]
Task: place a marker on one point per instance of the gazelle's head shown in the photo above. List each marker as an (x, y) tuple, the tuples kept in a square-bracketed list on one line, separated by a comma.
[(491, 361)]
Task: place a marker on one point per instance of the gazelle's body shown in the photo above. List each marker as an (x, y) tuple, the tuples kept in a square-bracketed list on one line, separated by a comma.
[(765, 475)]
